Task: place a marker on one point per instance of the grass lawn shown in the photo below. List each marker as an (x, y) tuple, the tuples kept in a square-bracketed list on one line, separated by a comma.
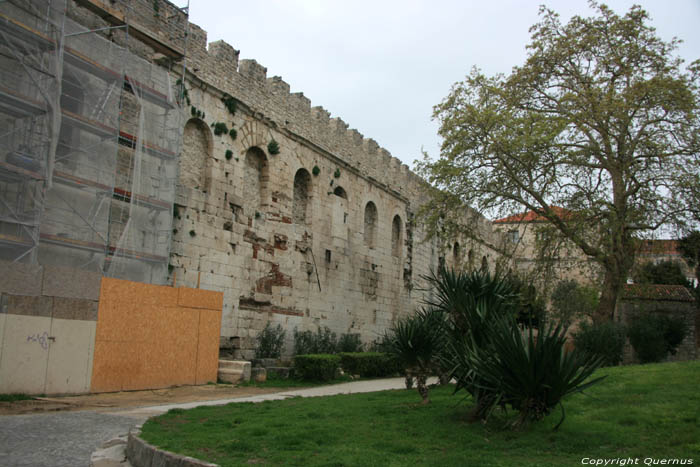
[(274, 382), (642, 411)]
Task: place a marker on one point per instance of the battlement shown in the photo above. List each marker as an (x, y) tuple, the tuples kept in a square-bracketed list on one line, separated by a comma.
[(246, 80), (164, 27)]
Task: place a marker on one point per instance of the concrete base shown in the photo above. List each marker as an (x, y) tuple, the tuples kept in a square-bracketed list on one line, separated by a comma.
[(234, 371)]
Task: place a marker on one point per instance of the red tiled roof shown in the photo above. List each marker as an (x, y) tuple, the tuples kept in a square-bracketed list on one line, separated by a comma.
[(532, 216), (675, 293), (659, 247)]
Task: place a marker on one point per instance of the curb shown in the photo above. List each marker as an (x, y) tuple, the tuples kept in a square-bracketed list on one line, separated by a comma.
[(141, 454)]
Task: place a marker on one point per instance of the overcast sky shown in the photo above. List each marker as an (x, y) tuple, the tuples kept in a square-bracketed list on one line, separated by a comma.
[(381, 65)]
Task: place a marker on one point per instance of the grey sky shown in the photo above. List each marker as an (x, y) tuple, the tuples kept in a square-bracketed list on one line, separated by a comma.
[(382, 65)]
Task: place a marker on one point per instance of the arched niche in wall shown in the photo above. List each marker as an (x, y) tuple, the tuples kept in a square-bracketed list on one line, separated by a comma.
[(256, 177), (456, 253), (370, 232), (302, 196), (340, 192), (197, 145), (396, 236)]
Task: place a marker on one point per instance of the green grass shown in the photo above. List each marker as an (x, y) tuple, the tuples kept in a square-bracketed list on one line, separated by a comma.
[(642, 411), (14, 397), (274, 382)]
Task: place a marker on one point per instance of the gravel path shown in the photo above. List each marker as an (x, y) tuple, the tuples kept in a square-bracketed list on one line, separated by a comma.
[(64, 439)]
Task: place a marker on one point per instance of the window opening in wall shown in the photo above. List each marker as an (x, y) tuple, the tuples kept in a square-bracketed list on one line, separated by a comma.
[(396, 234), (339, 191), (256, 176), (328, 256), (470, 257), (456, 252), (513, 236), (300, 202), (484, 263), (370, 224)]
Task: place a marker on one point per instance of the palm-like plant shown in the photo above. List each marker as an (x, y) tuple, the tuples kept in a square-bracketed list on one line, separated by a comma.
[(496, 362), (530, 373), (416, 341)]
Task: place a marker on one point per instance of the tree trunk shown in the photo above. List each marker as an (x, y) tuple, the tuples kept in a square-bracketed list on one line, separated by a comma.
[(422, 387), (612, 286)]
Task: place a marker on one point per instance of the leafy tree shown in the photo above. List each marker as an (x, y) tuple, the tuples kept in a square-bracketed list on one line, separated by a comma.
[(665, 272), (600, 120), (571, 301)]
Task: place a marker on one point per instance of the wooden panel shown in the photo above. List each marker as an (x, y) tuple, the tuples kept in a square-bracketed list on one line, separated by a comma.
[(151, 337), (197, 298), (208, 349)]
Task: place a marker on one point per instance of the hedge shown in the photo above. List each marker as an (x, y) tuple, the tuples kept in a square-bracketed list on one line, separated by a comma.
[(316, 367), (369, 364)]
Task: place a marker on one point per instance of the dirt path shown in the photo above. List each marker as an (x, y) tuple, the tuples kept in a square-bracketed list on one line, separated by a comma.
[(112, 401)]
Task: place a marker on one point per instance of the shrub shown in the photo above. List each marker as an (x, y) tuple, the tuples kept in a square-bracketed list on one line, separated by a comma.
[(654, 336), (606, 340), (324, 341), (349, 343), (316, 367), (416, 341), (270, 342), (531, 374), (491, 358), (273, 147), (571, 301), (369, 364), (220, 128)]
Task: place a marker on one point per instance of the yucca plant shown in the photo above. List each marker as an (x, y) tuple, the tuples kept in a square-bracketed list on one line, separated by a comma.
[(416, 341), (495, 361), (531, 374)]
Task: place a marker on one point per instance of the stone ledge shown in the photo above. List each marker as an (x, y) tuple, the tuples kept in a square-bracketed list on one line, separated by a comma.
[(141, 454)]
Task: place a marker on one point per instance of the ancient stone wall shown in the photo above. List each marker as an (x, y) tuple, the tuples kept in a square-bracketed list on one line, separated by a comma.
[(321, 233)]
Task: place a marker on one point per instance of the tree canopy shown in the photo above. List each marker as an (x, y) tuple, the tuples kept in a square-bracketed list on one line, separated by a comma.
[(600, 120)]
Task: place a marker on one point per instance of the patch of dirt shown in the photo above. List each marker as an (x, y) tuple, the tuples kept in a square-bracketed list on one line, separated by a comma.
[(112, 401)]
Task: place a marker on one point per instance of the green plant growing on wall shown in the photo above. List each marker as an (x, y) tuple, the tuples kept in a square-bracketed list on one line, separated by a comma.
[(316, 170), (233, 133), (229, 154), (184, 94), (336, 174), (192, 233), (273, 147), (220, 128), (156, 8), (230, 103)]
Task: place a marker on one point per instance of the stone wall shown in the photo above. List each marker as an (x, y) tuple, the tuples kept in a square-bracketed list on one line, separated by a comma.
[(320, 234)]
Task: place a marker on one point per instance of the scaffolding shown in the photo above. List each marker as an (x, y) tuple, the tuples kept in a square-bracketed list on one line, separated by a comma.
[(89, 144)]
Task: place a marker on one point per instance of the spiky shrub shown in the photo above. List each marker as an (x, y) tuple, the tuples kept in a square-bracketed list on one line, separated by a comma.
[(492, 359), (469, 302), (531, 374), (416, 341), (270, 342), (606, 340)]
